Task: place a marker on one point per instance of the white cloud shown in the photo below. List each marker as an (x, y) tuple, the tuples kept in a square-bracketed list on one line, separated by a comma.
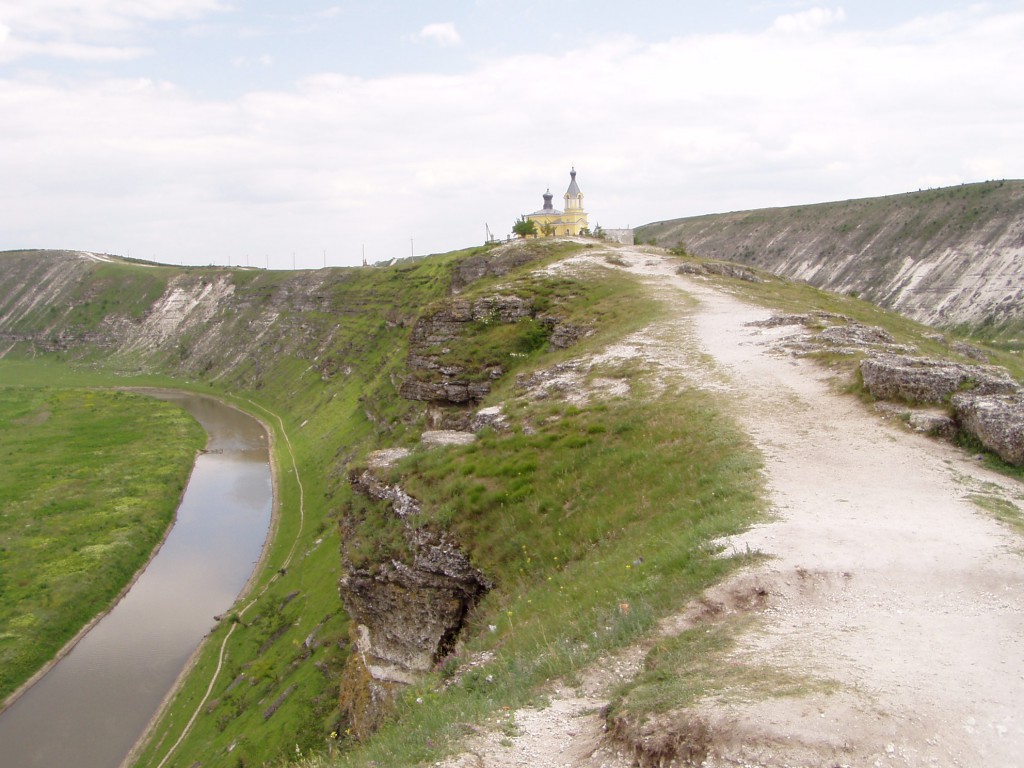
[(721, 122), (806, 22), (81, 29), (444, 34), (16, 49), (67, 16)]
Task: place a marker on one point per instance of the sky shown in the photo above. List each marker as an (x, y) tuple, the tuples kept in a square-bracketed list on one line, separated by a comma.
[(310, 133)]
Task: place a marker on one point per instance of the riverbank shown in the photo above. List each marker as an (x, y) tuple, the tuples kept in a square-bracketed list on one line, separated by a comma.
[(145, 739)]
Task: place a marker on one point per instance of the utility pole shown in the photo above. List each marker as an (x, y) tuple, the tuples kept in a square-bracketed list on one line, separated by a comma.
[(412, 251)]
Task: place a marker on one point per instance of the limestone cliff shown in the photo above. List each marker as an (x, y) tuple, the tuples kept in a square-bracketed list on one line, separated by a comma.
[(944, 257), (407, 607)]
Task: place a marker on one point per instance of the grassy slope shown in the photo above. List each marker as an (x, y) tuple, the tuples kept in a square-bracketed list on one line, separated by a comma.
[(330, 374), (85, 495), (593, 520), (326, 413), (288, 696)]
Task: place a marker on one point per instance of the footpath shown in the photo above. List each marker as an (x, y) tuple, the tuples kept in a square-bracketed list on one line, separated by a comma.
[(884, 579)]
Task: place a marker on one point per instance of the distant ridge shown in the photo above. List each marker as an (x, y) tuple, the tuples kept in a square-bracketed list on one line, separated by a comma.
[(949, 257)]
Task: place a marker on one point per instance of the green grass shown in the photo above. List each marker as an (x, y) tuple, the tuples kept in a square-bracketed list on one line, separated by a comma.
[(593, 528), (86, 493), (1001, 509), (698, 663), (593, 521)]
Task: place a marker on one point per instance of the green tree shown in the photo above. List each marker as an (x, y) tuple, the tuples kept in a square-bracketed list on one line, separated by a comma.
[(525, 227)]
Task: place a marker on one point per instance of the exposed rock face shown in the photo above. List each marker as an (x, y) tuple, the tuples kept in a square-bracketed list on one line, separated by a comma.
[(505, 308), (439, 437), (809, 320), (564, 335), (969, 351), (996, 420), (448, 392), (444, 324), (930, 380), (436, 377), (407, 613), (493, 417), (494, 263), (720, 268), (837, 334), (943, 256), (850, 338), (856, 334)]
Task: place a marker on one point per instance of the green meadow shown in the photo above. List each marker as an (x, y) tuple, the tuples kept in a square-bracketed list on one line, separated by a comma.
[(89, 482)]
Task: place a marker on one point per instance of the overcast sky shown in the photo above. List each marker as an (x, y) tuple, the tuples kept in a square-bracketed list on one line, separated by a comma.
[(227, 131)]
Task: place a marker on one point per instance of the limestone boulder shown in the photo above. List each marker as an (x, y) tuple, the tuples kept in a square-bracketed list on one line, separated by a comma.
[(930, 423), (565, 335), (493, 417), (856, 335), (996, 420), (930, 380)]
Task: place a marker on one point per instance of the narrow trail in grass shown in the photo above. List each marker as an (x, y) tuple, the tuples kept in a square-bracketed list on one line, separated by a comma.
[(885, 581)]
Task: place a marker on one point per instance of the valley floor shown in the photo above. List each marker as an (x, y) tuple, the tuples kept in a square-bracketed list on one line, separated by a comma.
[(886, 584)]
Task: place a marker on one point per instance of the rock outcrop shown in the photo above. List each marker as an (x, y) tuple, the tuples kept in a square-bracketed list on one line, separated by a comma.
[(930, 380), (442, 369), (497, 262), (930, 423), (987, 403), (996, 420), (438, 376), (722, 269), (407, 611)]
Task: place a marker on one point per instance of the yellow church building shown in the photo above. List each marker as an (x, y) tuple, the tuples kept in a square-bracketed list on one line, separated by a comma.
[(570, 222)]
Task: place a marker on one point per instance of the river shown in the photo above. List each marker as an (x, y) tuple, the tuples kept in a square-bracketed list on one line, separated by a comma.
[(93, 705)]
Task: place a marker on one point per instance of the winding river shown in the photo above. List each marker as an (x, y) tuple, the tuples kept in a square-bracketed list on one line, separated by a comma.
[(92, 706)]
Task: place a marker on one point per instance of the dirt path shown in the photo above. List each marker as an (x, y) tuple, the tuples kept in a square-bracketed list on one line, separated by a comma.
[(885, 578)]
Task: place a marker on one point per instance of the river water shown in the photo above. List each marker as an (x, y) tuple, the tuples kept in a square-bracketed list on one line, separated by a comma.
[(94, 704)]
